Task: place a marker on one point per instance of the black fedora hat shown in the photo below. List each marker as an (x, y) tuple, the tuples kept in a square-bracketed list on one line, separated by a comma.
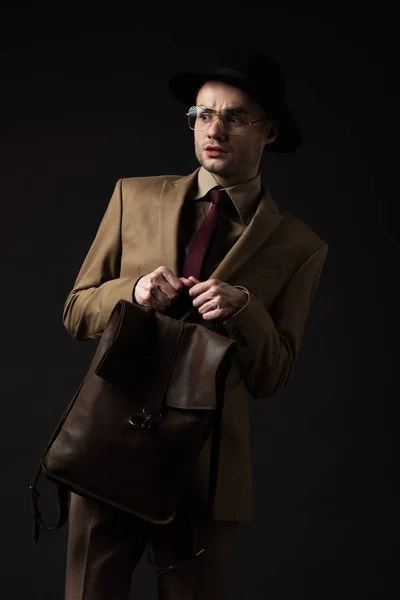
[(255, 73)]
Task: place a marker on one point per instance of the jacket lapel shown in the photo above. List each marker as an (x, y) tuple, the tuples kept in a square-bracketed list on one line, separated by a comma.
[(267, 217), (173, 196)]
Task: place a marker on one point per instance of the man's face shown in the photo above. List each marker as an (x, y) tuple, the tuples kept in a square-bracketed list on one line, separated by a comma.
[(231, 158)]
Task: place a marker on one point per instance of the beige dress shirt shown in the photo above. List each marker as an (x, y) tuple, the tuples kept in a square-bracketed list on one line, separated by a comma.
[(232, 224)]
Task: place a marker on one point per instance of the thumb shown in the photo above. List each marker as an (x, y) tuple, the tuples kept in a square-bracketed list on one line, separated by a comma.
[(187, 282)]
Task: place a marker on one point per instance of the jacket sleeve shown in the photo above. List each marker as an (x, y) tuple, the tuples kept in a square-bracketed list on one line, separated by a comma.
[(98, 286), (268, 341)]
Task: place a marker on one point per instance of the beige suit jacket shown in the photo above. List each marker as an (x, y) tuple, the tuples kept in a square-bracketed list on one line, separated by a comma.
[(278, 259)]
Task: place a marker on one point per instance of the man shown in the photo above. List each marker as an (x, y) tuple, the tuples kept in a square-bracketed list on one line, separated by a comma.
[(256, 279)]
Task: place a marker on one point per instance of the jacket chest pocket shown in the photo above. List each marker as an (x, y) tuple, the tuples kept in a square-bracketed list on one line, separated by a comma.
[(267, 272)]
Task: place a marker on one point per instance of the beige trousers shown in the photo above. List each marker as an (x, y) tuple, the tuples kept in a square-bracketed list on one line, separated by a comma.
[(105, 545)]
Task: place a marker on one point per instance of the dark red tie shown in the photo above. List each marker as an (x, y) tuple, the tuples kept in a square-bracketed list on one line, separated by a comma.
[(198, 248)]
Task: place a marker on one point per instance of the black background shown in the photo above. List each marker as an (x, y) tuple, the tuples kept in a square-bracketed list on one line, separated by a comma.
[(84, 101)]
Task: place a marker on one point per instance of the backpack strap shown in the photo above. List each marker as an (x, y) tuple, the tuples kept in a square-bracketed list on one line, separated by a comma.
[(62, 492)]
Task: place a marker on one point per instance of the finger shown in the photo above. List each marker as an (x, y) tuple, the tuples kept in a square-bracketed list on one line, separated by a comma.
[(159, 300), (149, 294), (218, 313), (172, 280), (156, 292), (201, 287), (167, 290), (187, 282), (161, 288), (208, 306), (149, 300), (209, 295)]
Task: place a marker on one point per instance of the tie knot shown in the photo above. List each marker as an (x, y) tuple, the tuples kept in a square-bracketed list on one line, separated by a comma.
[(219, 196)]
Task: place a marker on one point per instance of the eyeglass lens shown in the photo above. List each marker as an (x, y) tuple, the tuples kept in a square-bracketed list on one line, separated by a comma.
[(201, 118)]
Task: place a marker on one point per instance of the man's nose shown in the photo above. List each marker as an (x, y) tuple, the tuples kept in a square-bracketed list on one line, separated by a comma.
[(216, 128)]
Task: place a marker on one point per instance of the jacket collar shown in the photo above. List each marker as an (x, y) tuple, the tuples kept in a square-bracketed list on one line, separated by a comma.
[(266, 218), (245, 196)]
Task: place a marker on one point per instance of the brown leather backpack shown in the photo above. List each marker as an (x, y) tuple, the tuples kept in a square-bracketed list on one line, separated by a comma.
[(135, 427)]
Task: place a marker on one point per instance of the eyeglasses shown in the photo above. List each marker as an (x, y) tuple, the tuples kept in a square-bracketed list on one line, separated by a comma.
[(233, 122)]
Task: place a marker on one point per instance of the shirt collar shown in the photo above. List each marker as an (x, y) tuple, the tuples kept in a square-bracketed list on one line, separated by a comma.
[(244, 196)]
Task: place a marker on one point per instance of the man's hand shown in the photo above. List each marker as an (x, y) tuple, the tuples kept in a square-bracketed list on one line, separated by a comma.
[(159, 288), (215, 299)]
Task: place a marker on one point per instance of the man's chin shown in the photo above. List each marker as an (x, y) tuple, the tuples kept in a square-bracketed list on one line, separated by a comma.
[(214, 165)]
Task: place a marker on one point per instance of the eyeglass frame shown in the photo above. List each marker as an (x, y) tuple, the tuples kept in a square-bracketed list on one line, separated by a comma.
[(217, 113)]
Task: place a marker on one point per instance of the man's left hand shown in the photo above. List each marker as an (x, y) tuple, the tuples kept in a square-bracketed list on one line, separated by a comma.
[(215, 299)]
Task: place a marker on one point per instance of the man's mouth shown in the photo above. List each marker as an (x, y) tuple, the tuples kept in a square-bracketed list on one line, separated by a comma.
[(214, 151)]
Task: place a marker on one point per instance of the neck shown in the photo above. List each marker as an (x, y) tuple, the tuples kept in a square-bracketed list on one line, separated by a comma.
[(230, 181)]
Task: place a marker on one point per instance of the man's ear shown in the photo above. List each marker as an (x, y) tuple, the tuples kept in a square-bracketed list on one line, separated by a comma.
[(272, 133)]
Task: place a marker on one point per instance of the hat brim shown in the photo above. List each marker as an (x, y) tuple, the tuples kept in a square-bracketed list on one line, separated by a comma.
[(184, 87)]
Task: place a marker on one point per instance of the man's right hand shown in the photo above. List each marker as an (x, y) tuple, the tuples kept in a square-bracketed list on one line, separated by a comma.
[(159, 288)]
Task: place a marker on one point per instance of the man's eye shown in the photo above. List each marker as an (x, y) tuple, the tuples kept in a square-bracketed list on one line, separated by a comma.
[(204, 116), (235, 120)]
